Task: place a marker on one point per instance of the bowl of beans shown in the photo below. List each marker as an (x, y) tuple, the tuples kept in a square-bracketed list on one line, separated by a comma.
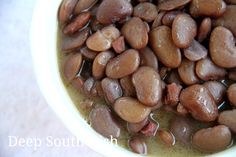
[(140, 77)]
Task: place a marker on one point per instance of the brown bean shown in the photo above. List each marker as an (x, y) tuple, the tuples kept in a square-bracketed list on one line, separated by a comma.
[(222, 47), (172, 94), (119, 44), (102, 122), (72, 66), (65, 11), (172, 4), (199, 102), (138, 145), (87, 53), (173, 77), (147, 26), (147, 84), (227, 20), (167, 137), (88, 86), (131, 110), (212, 8), (213, 139), (96, 25), (228, 118), (231, 93), (182, 128), (146, 11), (127, 86), (150, 129), (102, 40), (232, 74), (136, 127), (135, 33), (207, 70), (216, 89), (78, 83), (187, 72), (86, 104), (112, 89), (164, 47), (76, 24), (148, 58), (75, 41), (204, 29), (123, 65), (169, 17), (83, 5), (181, 110), (158, 20), (195, 51), (184, 30), (100, 62), (111, 11)]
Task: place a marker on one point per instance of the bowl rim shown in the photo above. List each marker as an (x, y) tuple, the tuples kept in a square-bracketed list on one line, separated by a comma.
[(44, 51)]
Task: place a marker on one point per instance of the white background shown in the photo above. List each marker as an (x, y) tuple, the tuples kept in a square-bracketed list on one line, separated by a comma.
[(23, 110)]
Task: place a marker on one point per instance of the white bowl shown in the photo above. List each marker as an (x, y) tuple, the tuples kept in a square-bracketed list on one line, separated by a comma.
[(44, 53)]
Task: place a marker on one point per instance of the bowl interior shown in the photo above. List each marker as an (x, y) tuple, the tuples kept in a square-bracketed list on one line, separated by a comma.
[(44, 53)]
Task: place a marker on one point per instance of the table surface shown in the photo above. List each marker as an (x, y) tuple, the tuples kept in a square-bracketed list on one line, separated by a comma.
[(24, 113)]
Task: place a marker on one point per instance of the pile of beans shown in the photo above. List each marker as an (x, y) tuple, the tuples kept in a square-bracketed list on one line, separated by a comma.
[(145, 55)]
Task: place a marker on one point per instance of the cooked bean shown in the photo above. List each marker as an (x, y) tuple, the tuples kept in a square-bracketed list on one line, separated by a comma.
[(147, 84), (83, 5), (231, 93), (131, 110), (102, 40), (199, 102), (169, 17), (172, 4), (135, 33), (172, 94), (195, 51), (146, 11), (173, 77), (222, 47), (204, 29), (79, 22), (123, 65), (216, 89), (102, 121), (100, 62), (111, 11), (72, 66), (230, 1), (227, 20), (158, 20), (97, 89), (75, 41), (228, 118), (167, 137), (150, 129), (112, 89), (148, 58), (78, 83), (138, 145), (181, 110), (182, 128), (212, 139), (232, 74), (207, 70), (164, 47), (127, 86), (87, 53), (136, 127), (147, 26), (119, 44), (86, 104), (184, 30), (212, 8), (96, 25), (187, 72), (66, 10), (88, 86)]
